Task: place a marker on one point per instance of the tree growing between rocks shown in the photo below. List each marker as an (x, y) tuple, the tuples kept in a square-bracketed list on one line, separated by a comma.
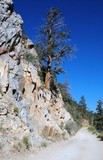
[(53, 44), (64, 89)]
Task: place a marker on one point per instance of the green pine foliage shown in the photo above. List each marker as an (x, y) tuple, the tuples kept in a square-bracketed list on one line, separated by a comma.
[(53, 44), (30, 58), (71, 105), (79, 111), (98, 120)]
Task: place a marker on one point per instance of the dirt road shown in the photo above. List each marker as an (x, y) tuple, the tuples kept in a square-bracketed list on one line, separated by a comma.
[(84, 146)]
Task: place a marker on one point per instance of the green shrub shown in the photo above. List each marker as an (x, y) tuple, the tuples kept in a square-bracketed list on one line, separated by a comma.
[(92, 129), (26, 142), (30, 58), (41, 75), (16, 110), (100, 135)]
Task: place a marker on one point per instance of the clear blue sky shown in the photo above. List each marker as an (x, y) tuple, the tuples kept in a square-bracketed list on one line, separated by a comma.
[(85, 20)]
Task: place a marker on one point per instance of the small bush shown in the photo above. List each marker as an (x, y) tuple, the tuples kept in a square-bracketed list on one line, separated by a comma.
[(30, 58), (16, 110), (26, 142), (40, 74), (100, 135), (92, 129)]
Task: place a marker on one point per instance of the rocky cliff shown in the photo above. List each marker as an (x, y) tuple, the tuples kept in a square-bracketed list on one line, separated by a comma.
[(30, 115)]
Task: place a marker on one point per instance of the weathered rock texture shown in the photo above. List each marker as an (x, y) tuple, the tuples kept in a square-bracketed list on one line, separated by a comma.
[(26, 107)]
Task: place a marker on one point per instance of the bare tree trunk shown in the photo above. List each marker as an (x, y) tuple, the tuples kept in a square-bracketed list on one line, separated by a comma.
[(47, 80), (48, 74)]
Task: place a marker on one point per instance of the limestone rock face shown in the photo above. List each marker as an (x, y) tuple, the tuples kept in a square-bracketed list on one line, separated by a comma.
[(26, 107)]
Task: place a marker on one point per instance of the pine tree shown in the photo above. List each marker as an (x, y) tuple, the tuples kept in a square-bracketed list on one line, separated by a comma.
[(99, 116), (83, 106), (53, 44), (64, 89)]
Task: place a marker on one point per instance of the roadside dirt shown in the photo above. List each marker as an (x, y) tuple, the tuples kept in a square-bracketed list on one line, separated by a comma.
[(84, 146)]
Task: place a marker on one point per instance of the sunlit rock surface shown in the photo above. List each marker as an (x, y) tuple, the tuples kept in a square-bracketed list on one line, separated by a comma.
[(26, 107)]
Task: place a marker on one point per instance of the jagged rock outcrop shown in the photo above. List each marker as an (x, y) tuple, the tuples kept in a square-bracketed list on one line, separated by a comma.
[(26, 107)]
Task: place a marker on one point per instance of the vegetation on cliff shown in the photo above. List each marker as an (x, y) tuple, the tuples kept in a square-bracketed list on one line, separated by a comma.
[(53, 44), (52, 47)]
